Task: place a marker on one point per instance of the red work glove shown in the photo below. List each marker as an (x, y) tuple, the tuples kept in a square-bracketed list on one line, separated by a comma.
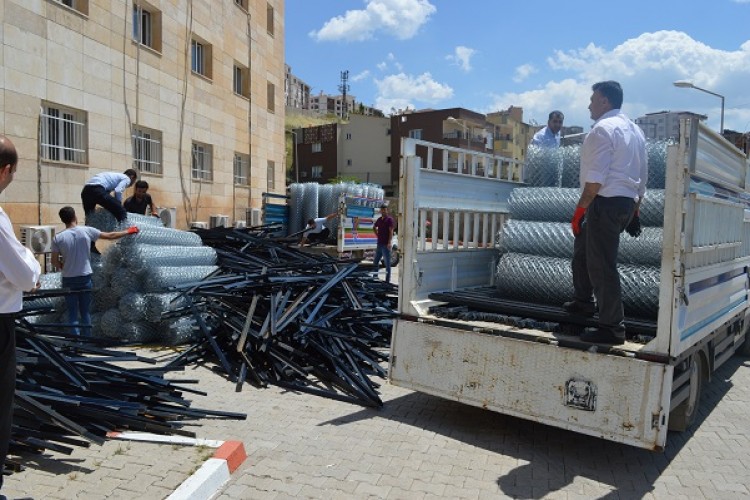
[(133, 230), (577, 220)]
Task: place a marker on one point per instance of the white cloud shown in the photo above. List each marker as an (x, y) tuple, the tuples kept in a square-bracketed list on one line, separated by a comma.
[(398, 18), (461, 57), (361, 76), (523, 72), (646, 66), (401, 91)]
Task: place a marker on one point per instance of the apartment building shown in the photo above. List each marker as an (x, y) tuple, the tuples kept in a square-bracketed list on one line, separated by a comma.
[(297, 92), (356, 150), (188, 92), (664, 124), (512, 135)]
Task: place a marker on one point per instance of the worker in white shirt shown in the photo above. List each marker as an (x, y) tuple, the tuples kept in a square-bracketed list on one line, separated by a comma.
[(19, 272), (97, 192), (317, 230)]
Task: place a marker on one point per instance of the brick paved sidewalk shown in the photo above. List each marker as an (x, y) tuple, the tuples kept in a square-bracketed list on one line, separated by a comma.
[(416, 446)]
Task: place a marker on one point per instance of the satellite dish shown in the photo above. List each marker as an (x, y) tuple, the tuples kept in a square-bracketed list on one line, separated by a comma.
[(40, 241)]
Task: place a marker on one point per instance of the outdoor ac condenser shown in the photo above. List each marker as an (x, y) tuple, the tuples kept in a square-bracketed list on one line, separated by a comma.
[(253, 216), (218, 221), (168, 216), (38, 238), (240, 224), (199, 225)]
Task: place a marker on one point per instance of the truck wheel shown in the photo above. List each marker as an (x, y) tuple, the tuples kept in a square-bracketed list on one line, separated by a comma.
[(684, 415), (394, 257)]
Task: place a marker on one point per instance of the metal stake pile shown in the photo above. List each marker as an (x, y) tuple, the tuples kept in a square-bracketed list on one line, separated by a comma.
[(72, 391), (276, 315)]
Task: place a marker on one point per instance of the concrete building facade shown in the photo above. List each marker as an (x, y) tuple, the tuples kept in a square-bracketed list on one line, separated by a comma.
[(512, 135), (188, 92), (664, 124), (296, 91), (356, 150)]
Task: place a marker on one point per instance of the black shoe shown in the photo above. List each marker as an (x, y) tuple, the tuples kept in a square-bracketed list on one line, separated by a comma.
[(603, 336), (580, 308)]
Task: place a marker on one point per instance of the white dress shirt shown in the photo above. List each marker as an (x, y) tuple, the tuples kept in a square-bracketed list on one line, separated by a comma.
[(19, 269), (111, 181), (614, 155), (545, 138)]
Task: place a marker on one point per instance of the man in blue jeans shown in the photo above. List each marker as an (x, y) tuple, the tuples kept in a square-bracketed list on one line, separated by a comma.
[(74, 245), (384, 231)]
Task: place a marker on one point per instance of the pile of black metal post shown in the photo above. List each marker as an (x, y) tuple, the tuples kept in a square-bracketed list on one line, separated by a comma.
[(72, 391), (276, 315)]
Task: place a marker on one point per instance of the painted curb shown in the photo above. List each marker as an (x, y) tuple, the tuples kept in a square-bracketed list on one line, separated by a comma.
[(211, 476)]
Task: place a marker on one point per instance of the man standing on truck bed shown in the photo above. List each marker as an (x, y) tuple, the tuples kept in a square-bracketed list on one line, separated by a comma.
[(613, 174), (549, 136)]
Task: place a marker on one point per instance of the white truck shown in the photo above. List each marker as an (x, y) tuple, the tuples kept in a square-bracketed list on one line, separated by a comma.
[(631, 393)]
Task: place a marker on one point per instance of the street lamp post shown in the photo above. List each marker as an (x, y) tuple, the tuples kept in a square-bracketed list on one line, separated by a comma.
[(689, 85), (296, 158)]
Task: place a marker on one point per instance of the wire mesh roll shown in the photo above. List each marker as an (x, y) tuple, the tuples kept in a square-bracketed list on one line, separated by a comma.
[(162, 278), (657, 163), (104, 299), (141, 220), (153, 235), (296, 196), (159, 303), (138, 331), (96, 324), (555, 239), (101, 219), (178, 331), (558, 205), (571, 166), (140, 256), (123, 282), (543, 167), (47, 281), (549, 280), (132, 306), (310, 201), (111, 320)]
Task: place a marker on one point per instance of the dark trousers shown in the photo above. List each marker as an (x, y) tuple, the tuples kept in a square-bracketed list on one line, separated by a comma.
[(320, 237), (595, 259), (7, 383), (93, 195)]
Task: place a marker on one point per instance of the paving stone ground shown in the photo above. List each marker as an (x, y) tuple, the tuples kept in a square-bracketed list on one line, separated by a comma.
[(416, 446)]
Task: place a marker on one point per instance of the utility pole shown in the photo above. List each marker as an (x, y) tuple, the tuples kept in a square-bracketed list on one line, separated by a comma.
[(344, 89)]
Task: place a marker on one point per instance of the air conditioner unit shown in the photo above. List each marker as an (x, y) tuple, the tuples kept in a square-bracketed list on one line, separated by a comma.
[(218, 221), (199, 225), (240, 224), (253, 216), (168, 216), (38, 238)]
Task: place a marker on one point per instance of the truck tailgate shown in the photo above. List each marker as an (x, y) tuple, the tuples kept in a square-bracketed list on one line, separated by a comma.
[(615, 397)]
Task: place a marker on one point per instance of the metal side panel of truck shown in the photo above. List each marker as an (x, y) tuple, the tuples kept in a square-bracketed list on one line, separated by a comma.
[(623, 394)]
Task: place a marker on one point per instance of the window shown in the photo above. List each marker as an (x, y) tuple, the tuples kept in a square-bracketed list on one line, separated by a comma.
[(270, 174), (269, 19), (147, 150), (317, 171), (241, 80), (271, 88), (387, 159), (415, 134), (241, 169), (349, 162), (81, 6), (349, 136), (200, 53), (202, 170), (147, 25), (63, 134), (317, 147)]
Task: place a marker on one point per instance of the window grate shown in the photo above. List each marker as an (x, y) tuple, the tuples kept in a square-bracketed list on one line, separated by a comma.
[(62, 135), (201, 164), (241, 169), (147, 151), (198, 57), (142, 27)]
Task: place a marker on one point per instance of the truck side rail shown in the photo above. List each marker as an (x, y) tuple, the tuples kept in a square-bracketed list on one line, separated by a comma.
[(706, 250), (449, 218)]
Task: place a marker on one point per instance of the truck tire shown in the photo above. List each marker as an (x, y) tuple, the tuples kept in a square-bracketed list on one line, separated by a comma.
[(394, 257), (684, 415)]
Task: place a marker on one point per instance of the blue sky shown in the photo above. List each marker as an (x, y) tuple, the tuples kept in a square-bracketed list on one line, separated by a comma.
[(489, 54)]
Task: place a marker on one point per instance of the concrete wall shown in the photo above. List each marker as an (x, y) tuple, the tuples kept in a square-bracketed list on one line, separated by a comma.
[(88, 61)]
